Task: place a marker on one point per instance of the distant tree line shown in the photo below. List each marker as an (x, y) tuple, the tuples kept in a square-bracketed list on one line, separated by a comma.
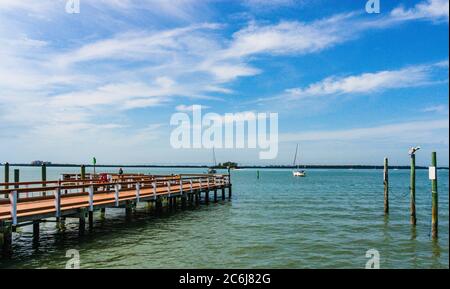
[(225, 165)]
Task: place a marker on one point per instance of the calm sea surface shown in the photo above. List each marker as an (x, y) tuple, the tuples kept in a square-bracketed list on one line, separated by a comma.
[(327, 220)]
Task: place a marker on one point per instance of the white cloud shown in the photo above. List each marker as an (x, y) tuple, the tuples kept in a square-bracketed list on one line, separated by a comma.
[(142, 45), (30, 5), (436, 109), (408, 132), (188, 108), (435, 10), (288, 37), (366, 82)]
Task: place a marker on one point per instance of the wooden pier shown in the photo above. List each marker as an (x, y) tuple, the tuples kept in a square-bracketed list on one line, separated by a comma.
[(79, 195)]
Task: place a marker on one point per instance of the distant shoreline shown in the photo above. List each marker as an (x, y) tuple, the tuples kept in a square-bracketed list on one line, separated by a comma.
[(240, 167)]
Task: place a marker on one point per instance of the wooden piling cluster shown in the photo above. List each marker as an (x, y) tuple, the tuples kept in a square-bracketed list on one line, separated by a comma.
[(82, 196), (412, 189)]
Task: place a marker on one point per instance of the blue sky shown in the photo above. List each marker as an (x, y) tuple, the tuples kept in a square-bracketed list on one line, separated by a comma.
[(348, 86)]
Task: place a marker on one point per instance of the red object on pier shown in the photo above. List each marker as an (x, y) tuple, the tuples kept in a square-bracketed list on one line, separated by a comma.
[(104, 178)]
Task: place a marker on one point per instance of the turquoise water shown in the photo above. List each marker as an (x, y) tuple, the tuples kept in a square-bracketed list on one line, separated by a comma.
[(327, 220)]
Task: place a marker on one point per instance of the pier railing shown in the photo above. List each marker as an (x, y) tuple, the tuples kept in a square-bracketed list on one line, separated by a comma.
[(29, 196)]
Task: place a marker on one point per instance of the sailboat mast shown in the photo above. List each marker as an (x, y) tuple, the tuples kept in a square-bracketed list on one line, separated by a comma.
[(295, 156)]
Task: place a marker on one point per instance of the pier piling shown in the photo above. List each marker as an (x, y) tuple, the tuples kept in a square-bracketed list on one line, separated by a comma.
[(44, 177), (386, 185), (158, 205), (82, 221), (5, 236), (16, 178), (91, 219), (6, 177), (413, 219), (83, 172), (36, 228), (215, 195), (434, 196), (128, 209)]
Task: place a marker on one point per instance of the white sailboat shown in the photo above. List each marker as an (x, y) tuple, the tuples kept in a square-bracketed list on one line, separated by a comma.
[(297, 172)]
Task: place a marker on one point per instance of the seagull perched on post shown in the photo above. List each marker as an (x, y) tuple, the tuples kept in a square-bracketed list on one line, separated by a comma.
[(413, 150)]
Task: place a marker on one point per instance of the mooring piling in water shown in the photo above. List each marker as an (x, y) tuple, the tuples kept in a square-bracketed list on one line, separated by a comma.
[(386, 185), (412, 188), (434, 196)]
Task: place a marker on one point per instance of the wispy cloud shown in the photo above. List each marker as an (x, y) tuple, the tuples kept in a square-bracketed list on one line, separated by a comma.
[(442, 108), (188, 108), (435, 10), (407, 132), (367, 82)]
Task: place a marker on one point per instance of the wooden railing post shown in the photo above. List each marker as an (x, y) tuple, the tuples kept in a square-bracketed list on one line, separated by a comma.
[(44, 177), (116, 194), (91, 198), (16, 180), (58, 202), (168, 188), (6, 175), (138, 192), (13, 197)]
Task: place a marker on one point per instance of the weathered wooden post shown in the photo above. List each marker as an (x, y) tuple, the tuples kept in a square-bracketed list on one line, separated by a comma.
[(386, 185), (82, 222), (434, 196), (412, 187), (215, 195), (36, 230), (16, 180), (5, 237), (36, 223), (44, 177), (197, 198), (207, 196), (91, 208), (83, 172), (128, 209), (6, 175)]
